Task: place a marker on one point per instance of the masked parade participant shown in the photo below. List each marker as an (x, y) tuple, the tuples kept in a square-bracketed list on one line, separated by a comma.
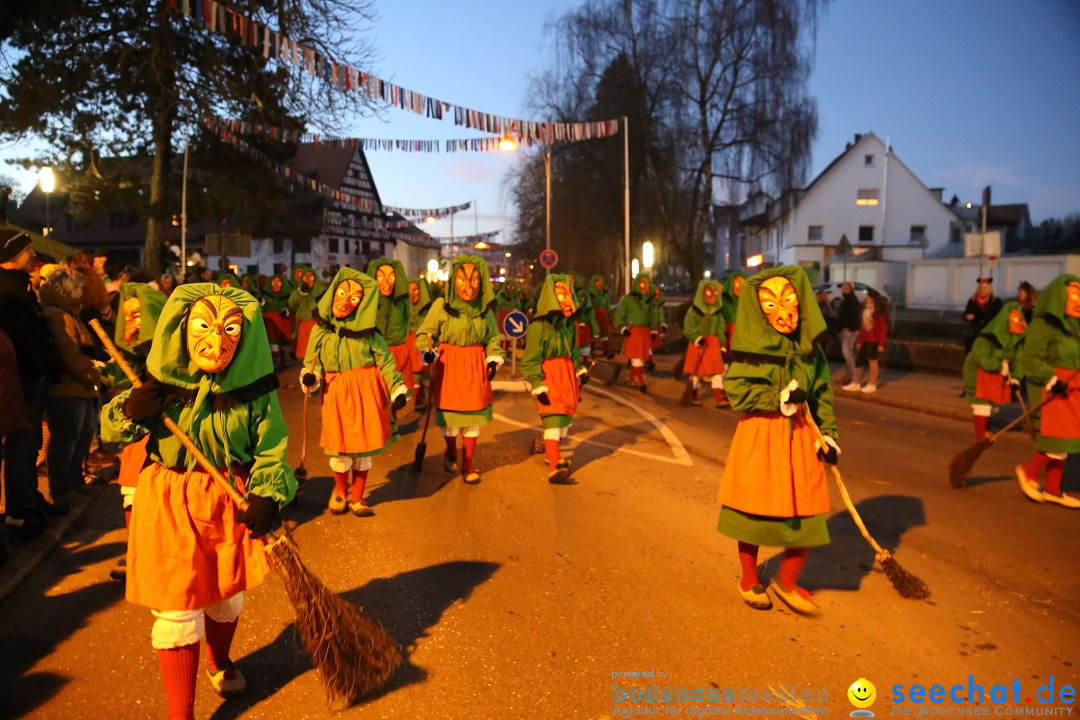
[(190, 557), (704, 328), (636, 318), (657, 304), (601, 305), (349, 356), (393, 314), (1049, 360), (460, 340), (419, 304), (278, 317), (584, 318), (774, 490), (227, 280), (302, 302), (991, 369), (732, 289), (250, 285), (553, 367)]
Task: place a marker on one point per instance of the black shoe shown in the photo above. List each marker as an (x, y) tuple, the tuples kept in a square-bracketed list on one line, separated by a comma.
[(57, 509)]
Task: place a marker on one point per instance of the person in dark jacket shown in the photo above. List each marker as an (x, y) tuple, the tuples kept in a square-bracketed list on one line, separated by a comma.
[(981, 309), (849, 322), (21, 319)]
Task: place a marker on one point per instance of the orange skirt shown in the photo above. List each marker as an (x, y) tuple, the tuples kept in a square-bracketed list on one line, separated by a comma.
[(603, 320), (636, 347), (773, 469), (402, 362), (187, 548), (132, 459), (463, 381), (1060, 416), (416, 358), (562, 384), (992, 387), (278, 329), (584, 334), (303, 332), (355, 413), (712, 362)]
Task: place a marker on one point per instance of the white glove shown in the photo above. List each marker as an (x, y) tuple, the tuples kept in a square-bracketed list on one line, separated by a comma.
[(1005, 368), (310, 380), (791, 398), (98, 364)]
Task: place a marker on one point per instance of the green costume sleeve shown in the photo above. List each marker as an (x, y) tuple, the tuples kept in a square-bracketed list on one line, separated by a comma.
[(753, 388), (620, 313), (692, 324), (1036, 351), (575, 352), (427, 335), (820, 397), (384, 359), (295, 299), (492, 338), (987, 354), (118, 428), (313, 356), (270, 475), (531, 364), (593, 323)]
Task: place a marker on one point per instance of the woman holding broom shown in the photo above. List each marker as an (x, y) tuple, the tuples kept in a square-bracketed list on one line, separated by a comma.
[(460, 341), (419, 304), (190, 557), (349, 355), (1049, 361), (991, 369), (704, 328), (774, 491), (552, 366)]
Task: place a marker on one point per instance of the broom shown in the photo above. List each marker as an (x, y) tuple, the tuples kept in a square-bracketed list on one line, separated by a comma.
[(301, 471), (905, 583), (421, 447), (353, 654), (1028, 425), (963, 461)]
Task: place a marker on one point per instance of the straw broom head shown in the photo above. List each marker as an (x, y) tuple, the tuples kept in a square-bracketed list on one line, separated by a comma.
[(963, 461), (906, 584)]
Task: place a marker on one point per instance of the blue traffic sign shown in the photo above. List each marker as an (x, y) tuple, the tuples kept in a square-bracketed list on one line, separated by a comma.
[(515, 324), (549, 259)]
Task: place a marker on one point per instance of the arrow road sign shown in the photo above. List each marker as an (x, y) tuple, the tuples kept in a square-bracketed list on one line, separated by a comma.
[(515, 324)]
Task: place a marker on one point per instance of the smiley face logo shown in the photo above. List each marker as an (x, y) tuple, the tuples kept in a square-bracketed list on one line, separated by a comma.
[(862, 694)]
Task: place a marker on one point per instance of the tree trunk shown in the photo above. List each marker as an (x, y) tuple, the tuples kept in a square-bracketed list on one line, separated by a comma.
[(159, 186)]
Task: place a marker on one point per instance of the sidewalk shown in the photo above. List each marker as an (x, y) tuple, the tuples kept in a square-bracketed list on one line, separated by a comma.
[(910, 390)]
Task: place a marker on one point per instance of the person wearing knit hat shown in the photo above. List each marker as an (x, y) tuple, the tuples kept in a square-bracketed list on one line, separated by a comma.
[(14, 243)]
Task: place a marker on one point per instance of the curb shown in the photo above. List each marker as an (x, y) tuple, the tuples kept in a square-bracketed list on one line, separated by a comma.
[(903, 404)]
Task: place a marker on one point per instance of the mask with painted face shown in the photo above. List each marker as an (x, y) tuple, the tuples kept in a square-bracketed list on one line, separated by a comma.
[(132, 311), (736, 286), (414, 293), (643, 286), (599, 285), (1017, 324), (275, 284), (309, 280), (347, 297), (226, 282), (213, 332), (565, 296), (297, 274), (780, 304), (387, 278), (467, 282), (1072, 300), (709, 294)]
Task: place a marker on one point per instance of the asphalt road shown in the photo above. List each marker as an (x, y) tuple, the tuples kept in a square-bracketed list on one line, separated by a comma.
[(519, 599)]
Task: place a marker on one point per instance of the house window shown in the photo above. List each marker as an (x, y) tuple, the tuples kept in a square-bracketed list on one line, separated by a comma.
[(868, 160), (866, 233), (814, 233), (333, 245), (918, 234), (367, 248), (954, 235), (279, 245), (867, 196)]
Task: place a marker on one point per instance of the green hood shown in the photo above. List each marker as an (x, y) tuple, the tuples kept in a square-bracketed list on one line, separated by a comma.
[(754, 334), (592, 285), (634, 286), (699, 297), (365, 315), (252, 285), (425, 295), (487, 295), (401, 280), (728, 282), (230, 277), (282, 294), (547, 302), (169, 362), (1052, 302), (998, 328), (151, 302), (318, 289), (509, 288)]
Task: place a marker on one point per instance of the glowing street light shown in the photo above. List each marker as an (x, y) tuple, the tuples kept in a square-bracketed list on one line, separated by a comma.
[(48, 183), (708, 274), (433, 265), (507, 143), (507, 254), (429, 219), (482, 246), (635, 268), (647, 255)]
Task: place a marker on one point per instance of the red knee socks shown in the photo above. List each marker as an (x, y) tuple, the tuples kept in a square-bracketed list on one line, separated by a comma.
[(1054, 470), (1036, 464), (179, 668), (451, 446), (127, 517), (980, 426), (791, 568), (748, 561), (718, 396), (468, 444), (219, 637), (341, 483), (551, 449), (637, 374), (359, 482)]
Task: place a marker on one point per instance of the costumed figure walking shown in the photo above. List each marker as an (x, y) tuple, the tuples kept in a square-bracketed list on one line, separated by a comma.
[(637, 321), (600, 300), (419, 304), (393, 314), (348, 355), (280, 324), (190, 558), (774, 490), (553, 367), (302, 302), (1049, 361), (732, 289), (657, 304), (227, 280), (585, 317), (703, 326), (992, 369), (460, 340)]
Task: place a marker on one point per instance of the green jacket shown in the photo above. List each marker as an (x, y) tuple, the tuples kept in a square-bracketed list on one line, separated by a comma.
[(456, 322), (993, 345), (275, 301), (151, 302), (550, 335), (419, 310), (585, 312), (731, 300), (703, 319), (393, 313), (635, 310), (304, 300), (233, 417), (506, 299), (764, 361), (598, 295)]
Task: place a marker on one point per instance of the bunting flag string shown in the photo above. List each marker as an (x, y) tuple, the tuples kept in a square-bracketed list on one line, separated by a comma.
[(436, 213), (219, 18), (469, 239)]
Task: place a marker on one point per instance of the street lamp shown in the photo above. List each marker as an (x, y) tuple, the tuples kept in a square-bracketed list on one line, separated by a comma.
[(507, 143), (647, 255), (635, 268), (429, 219), (48, 184)]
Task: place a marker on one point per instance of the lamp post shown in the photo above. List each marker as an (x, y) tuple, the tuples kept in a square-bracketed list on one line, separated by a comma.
[(626, 200), (547, 197), (48, 184)]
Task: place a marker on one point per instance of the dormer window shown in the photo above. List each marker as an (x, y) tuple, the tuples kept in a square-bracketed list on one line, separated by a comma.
[(867, 196), (868, 160)]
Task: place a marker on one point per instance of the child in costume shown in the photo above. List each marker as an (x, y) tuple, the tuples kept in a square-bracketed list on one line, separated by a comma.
[(636, 317), (462, 327), (419, 304), (732, 289), (1049, 362), (553, 367), (774, 490), (393, 314), (349, 355), (190, 557), (601, 305), (991, 369), (302, 302), (279, 321), (703, 326)]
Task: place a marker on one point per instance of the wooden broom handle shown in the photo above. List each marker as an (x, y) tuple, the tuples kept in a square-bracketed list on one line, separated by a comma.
[(180, 435), (1032, 409)]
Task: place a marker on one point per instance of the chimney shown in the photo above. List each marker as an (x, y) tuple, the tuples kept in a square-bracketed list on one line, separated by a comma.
[(937, 193), (858, 137)]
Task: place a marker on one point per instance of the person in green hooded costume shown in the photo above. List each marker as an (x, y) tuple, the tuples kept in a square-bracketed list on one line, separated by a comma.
[(302, 302), (190, 557), (553, 367), (657, 304), (227, 280), (462, 328), (991, 369), (637, 319), (585, 317), (280, 324), (394, 309), (600, 300), (349, 355), (774, 490), (419, 304), (703, 326), (732, 289), (1049, 361), (250, 285)]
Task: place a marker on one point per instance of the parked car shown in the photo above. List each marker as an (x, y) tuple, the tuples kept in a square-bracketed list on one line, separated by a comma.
[(832, 291)]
